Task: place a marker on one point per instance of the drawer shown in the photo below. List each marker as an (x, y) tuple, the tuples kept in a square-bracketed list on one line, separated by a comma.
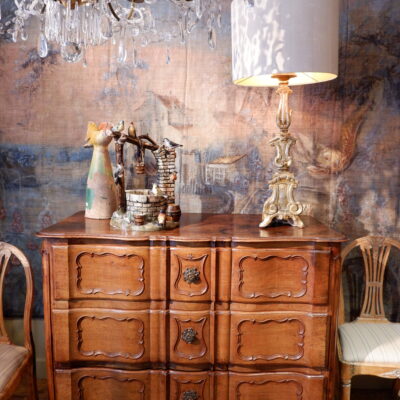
[(189, 386), (190, 274), (105, 336), (276, 386), (190, 338), (101, 271), (113, 384), (280, 275), (108, 384), (278, 338)]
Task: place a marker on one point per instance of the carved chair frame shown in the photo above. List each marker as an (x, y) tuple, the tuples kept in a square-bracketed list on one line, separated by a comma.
[(27, 367), (375, 251)]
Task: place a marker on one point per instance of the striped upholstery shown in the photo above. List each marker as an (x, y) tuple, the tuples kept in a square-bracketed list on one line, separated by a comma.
[(370, 343), (10, 358)]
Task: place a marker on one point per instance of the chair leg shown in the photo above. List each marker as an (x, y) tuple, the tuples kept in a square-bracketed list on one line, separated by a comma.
[(32, 383), (345, 387)]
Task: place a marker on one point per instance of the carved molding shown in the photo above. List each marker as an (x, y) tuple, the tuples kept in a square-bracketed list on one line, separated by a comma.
[(103, 378), (298, 386), (180, 392), (127, 292), (277, 293), (270, 357), (199, 337), (201, 283), (375, 252), (94, 353), (395, 374)]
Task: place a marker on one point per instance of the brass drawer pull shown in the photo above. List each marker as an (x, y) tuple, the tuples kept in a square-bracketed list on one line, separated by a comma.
[(190, 395), (191, 275), (189, 335)]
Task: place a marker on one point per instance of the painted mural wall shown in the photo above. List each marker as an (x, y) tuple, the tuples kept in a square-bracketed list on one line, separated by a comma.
[(347, 131)]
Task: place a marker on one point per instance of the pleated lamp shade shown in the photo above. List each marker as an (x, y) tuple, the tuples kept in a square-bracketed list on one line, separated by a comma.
[(284, 37)]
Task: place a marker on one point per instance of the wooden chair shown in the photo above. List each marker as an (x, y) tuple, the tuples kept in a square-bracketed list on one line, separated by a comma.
[(16, 361), (370, 345)]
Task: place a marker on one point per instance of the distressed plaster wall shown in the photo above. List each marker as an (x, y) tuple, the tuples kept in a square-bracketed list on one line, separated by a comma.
[(347, 130)]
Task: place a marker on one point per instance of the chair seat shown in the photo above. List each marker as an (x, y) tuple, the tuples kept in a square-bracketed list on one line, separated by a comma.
[(11, 358), (370, 343)]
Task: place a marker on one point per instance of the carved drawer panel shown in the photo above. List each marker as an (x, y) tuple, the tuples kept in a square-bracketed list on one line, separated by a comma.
[(189, 386), (275, 386), (278, 338), (277, 275), (109, 272), (106, 272), (98, 384), (112, 336), (189, 338), (190, 274)]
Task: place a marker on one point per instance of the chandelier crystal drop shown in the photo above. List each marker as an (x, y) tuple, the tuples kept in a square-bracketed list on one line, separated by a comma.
[(75, 25)]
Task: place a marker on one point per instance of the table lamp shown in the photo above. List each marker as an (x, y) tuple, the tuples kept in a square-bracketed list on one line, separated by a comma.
[(282, 43)]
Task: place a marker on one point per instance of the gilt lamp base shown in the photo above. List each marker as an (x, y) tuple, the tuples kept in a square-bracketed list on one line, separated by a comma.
[(281, 206)]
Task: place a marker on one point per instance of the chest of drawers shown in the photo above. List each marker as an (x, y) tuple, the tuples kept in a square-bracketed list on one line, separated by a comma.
[(216, 309)]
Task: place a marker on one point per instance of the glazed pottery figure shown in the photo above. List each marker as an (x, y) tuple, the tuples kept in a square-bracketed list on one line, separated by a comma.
[(100, 190)]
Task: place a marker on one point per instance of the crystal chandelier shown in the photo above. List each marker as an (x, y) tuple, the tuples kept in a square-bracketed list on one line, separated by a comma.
[(75, 25)]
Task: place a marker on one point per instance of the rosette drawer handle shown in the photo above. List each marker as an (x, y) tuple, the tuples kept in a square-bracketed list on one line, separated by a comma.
[(191, 275), (189, 335), (190, 395)]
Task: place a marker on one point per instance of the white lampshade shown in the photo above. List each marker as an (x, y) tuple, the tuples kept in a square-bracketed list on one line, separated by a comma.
[(283, 37)]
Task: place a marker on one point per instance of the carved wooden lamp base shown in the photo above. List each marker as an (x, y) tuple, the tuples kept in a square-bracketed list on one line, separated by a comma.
[(281, 206)]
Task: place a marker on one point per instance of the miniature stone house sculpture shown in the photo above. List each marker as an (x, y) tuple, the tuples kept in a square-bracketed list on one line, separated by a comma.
[(145, 209), (166, 172)]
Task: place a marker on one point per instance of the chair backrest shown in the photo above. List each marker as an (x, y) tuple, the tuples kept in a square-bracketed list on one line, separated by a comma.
[(375, 251), (7, 251)]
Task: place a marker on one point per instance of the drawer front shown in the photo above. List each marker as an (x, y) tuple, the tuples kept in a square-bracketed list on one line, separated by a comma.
[(97, 384), (276, 386), (190, 338), (189, 386), (103, 272), (280, 275), (278, 338), (103, 336), (190, 274)]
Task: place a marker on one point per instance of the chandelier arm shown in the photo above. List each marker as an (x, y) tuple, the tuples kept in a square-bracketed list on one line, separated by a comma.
[(113, 12), (115, 15), (130, 15)]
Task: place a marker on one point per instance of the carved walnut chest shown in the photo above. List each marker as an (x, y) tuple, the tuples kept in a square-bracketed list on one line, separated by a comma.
[(215, 309)]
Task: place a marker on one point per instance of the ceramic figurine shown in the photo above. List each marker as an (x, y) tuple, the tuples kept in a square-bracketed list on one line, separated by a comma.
[(169, 144), (161, 219), (100, 191), (156, 190), (144, 209)]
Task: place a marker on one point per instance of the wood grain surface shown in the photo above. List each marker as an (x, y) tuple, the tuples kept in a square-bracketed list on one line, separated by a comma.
[(216, 309), (216, 227)]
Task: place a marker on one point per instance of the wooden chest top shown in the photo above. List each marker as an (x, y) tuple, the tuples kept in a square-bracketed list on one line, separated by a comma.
[(208, 227)]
